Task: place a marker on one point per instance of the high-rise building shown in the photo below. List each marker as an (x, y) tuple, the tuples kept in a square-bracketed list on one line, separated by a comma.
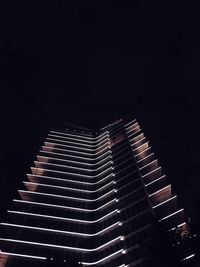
[(92, 199)]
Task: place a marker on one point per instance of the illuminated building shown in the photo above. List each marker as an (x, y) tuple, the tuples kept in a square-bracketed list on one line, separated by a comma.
[(90, 200)]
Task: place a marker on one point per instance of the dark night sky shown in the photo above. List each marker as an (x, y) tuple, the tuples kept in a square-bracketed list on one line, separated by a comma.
[(91, 62)]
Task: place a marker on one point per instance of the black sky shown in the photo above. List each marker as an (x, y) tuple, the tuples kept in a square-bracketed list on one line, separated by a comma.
[(92, 62)]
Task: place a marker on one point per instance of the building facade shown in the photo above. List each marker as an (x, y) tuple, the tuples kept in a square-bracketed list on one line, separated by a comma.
[(91, 199)]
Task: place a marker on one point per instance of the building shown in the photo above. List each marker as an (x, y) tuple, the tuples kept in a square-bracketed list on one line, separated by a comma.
[(92, 199)]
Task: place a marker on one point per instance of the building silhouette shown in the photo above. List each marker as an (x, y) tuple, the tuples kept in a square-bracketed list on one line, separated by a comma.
[(95, 199)]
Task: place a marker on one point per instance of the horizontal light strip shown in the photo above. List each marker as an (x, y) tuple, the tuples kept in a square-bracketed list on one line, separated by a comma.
[(92, 139), (96, 157), (188, 257), (160, 190), (136, 137), (63, 218), (76, 162), (64, 207), (174, 213), (76, 174), (78, 157), (60, 231), (65, 160), (103, 259), (177, 226), (78, 152), (81, 146), (83, 190), (79, 135), (134, 133), (143, 151), (112, 125), (73, 167), (71, 188), (159, 168), (144, 138), (134, 124), (132, 127), (22, 255), (70, 140), (129, 124), (153, 161), (138, 161), (164, 202), (66, 197), (57, 138), (146, 143), (92, 150), (82, 150), (59, 246), (73, 181), (79, 141), (80, 182), (154, 181)]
